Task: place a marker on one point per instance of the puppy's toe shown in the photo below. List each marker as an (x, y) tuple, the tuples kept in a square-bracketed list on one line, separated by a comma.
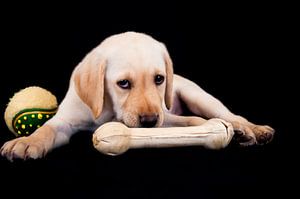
[(7, 150), (264, 134), (34, 152), (19, 150), (245, 139), (243, 134)]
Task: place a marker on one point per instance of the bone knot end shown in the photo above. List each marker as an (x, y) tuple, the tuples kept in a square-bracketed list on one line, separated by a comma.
[(112, 138)]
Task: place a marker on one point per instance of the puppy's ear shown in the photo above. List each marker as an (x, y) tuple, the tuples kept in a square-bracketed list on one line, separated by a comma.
[(169, 78), (89, 82)]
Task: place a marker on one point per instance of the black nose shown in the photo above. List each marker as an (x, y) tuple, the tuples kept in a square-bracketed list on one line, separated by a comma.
[(148, 120)]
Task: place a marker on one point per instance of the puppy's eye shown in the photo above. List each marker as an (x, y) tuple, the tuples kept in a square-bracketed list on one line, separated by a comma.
[(159, 79), (125, 84)]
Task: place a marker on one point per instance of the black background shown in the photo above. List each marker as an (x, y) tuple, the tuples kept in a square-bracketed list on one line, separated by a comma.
[(242, 54)]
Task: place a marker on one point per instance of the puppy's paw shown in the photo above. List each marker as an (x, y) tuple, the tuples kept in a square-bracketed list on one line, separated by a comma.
[(263, 134), (23, 148), (252, 134)]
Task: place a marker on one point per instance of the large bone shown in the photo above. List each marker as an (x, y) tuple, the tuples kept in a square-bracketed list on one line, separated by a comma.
[(115, 138)]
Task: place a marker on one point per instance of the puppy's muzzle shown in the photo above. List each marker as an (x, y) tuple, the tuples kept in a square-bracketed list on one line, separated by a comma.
[(148, 120)]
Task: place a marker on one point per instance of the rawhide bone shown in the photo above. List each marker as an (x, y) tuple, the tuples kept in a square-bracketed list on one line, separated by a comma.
[(114, 138)]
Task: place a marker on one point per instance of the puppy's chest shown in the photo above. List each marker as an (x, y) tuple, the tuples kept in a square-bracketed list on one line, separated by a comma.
[(106, 116), (177, 107)]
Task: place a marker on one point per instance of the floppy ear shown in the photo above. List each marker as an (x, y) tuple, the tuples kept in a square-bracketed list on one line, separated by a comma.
[(89, 82), (169, 79)]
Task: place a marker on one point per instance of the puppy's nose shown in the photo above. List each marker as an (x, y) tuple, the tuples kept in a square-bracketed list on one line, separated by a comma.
[(147, 120)]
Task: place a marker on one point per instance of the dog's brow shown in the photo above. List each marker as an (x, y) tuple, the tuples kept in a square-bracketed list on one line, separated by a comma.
[(159, 71), (124, 76)]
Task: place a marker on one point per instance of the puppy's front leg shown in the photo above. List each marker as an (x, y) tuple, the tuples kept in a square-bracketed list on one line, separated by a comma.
[(39, 143), (171, 120), (204, 104)]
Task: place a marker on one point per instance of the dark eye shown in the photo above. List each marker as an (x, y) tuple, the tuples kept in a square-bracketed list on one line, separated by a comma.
[(125, 84), (159, 79)]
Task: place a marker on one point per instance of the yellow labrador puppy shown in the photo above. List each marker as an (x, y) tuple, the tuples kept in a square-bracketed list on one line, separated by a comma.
[(128, 78)]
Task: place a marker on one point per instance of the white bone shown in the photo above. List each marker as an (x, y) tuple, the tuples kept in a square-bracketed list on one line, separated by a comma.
[(115, 138)]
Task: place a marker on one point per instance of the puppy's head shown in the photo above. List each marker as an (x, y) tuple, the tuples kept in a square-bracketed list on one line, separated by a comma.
[(135, 71)]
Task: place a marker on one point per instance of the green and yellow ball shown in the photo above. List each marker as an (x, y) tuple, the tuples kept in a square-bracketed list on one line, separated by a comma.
[(29, 109)]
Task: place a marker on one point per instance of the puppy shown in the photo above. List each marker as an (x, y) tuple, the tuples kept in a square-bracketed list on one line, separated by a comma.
[(129, 78)]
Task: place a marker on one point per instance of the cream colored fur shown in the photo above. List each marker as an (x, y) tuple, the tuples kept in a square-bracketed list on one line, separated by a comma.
[(94, 97)]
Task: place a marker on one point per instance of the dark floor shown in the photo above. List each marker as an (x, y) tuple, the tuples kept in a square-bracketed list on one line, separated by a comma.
[(239, 53), (79, 171)]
